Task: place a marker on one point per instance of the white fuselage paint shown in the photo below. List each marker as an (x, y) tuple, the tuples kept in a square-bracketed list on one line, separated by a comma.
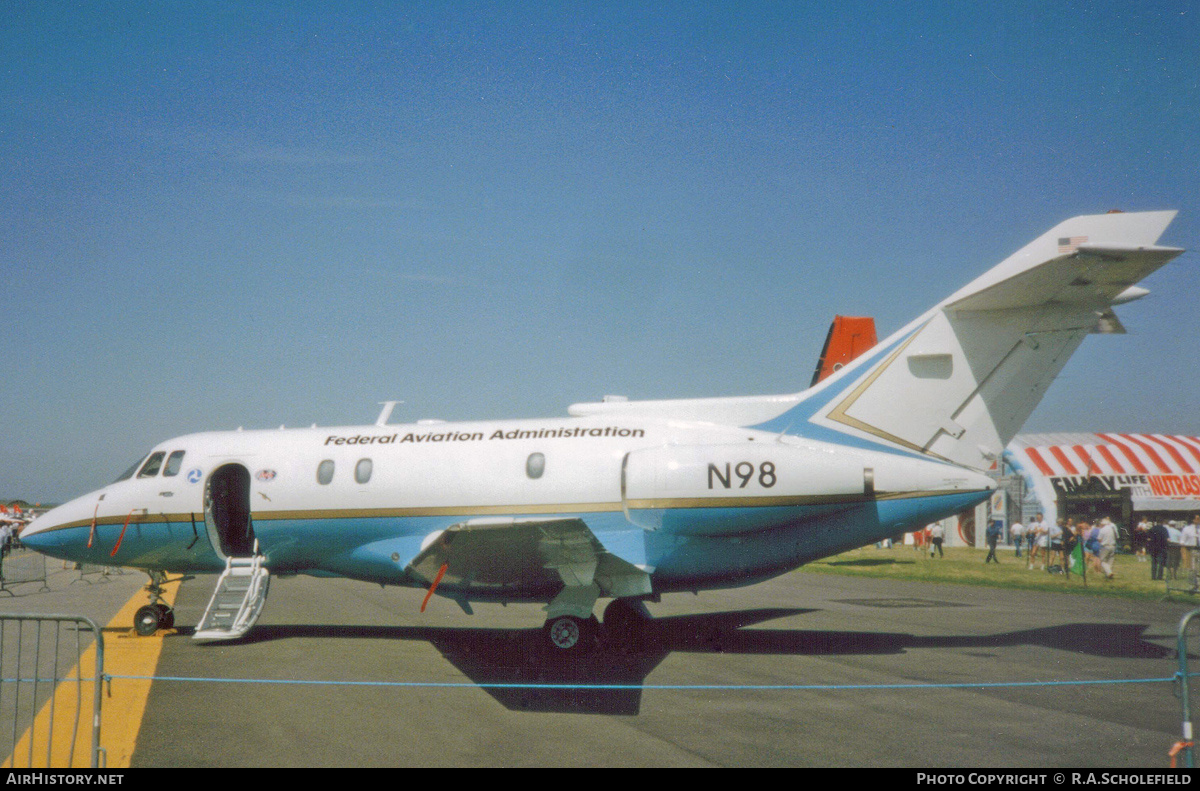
[(425, 477)]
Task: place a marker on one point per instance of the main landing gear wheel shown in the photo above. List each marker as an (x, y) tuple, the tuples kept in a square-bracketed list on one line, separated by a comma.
[(625, 622), (567, 634)]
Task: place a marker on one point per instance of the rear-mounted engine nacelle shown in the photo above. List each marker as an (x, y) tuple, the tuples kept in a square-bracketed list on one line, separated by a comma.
[(697, 487), (744, 487)]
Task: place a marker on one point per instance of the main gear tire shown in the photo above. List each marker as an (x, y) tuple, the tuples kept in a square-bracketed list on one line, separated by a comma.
[(568, 635)]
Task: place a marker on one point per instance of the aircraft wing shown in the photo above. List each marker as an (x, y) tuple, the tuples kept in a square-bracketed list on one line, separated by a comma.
[(495, 554)]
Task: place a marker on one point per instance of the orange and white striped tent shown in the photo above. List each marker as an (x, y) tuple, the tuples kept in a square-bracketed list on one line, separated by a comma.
[(1162, 471)]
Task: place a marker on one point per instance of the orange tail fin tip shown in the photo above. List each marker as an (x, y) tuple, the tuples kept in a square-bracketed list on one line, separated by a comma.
[(849, 336)]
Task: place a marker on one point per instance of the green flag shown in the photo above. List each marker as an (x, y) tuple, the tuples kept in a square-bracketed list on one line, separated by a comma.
[(1077, 558)]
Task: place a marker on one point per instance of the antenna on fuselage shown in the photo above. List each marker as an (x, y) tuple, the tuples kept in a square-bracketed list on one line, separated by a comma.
[(386, 413)]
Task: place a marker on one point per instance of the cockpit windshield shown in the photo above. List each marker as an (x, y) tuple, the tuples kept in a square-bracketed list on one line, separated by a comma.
[(174, 462), (152, 465), (129, 473)]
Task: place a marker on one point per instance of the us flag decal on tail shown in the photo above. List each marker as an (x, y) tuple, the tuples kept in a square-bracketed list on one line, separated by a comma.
[(1068, 244)]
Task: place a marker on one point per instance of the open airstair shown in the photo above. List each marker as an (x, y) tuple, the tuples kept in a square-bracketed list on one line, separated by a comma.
[(237, 601)]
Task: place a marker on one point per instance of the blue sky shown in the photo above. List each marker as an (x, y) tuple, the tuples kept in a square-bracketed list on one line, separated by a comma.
[(223, 214)]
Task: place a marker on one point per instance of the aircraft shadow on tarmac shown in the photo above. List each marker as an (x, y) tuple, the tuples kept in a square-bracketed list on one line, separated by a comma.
[(609, 679)]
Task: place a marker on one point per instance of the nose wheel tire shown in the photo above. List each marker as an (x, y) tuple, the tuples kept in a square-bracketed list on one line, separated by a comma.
[(145, 622), (152, 617), (567, 634)]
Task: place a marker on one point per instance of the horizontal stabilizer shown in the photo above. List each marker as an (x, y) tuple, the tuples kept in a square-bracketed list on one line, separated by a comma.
[(1083, 260), (1087, 276)]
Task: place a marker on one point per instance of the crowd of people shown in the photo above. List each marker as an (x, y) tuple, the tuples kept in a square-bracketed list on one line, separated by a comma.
[(1168, 546), (1165, 545), (1051, 546), (1172, 548)]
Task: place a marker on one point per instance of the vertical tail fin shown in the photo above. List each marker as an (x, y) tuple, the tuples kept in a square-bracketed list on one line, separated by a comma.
[(849, 336), (959, 381)]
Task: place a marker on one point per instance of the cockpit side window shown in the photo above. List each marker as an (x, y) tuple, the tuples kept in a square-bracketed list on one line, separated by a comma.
[(174, 462), (129, 473), (152, 465)]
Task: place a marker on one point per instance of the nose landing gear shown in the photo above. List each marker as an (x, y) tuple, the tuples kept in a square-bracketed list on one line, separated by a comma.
[(157, 614)]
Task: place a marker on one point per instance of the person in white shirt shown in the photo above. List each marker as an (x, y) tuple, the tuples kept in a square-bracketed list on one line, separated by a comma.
[(1173, 549), (1189, 539), (936, 535), (1033, 530), (1187, 547), (1017, 533), (1108, 546), (1052, 543), (1036, 531)]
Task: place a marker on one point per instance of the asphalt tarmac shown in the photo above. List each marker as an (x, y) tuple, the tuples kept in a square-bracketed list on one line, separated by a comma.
[(454, 694)]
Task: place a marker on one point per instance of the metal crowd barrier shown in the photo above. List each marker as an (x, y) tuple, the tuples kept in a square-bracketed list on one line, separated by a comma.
[(51, 668), (22, 566), (1184, 577), (1185, 745), (97, 573)]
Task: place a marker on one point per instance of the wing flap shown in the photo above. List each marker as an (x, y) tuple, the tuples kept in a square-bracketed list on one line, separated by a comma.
[(525, 553)]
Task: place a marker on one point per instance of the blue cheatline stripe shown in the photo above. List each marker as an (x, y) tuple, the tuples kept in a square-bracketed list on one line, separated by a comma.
[(763, 687)]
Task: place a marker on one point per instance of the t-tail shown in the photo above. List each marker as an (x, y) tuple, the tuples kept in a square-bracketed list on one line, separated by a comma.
[(959, 381)]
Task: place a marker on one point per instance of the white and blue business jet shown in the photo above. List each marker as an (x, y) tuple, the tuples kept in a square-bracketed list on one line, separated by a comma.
[(624, 500)]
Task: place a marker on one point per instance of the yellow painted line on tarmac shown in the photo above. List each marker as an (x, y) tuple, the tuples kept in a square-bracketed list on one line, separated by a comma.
[(124, 700)]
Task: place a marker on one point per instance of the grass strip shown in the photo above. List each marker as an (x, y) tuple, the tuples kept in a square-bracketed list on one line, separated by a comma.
[(965, 566)]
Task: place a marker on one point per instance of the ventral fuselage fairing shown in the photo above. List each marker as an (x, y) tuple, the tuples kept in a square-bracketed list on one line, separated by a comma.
[(627, 500)]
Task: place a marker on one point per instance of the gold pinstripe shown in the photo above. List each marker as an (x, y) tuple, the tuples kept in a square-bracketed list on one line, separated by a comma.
[(517, 510)]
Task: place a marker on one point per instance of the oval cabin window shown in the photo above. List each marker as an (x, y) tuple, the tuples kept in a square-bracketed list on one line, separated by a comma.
[(362, 470), (535, 465), (325, 472)]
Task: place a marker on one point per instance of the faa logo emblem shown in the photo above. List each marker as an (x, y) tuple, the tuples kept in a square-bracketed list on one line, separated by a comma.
[(194, 476)]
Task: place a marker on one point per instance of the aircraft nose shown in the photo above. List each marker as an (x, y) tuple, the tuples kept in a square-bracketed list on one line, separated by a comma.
[(34, 535), (43, 533)]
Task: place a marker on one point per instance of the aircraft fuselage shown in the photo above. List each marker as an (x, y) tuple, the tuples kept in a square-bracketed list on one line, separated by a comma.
[(696, 505)]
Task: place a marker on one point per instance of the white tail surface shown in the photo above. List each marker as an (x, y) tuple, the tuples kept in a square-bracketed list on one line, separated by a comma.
[(963, 378)]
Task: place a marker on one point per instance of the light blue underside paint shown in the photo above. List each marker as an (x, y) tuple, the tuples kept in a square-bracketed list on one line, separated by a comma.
[(378, 549)]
